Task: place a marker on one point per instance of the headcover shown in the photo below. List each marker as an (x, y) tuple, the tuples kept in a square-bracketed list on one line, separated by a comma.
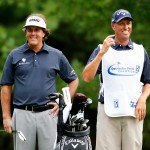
[(78, 99)]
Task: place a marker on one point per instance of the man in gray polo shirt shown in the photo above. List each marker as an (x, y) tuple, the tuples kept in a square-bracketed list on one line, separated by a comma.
[(30, 71)]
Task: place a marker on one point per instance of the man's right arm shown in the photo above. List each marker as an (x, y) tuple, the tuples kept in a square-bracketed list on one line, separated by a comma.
[(90, 70), (6, 107)]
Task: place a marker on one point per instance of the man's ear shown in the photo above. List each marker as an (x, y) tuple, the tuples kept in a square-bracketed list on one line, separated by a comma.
[(113, 26)]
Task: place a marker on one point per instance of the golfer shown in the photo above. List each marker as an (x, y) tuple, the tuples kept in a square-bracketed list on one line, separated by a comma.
[(30, 73)]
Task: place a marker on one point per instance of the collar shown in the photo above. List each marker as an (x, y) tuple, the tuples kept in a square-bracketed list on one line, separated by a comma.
[(27, 48), (118, 46)]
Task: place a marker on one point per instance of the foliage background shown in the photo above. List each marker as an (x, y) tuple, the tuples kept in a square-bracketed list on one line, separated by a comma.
[(77, 27)]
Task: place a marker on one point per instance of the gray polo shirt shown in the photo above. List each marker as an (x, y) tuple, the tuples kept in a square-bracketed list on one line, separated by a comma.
[(34, 74)]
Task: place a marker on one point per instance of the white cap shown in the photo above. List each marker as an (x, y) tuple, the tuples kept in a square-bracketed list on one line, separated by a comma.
[(35, 21)]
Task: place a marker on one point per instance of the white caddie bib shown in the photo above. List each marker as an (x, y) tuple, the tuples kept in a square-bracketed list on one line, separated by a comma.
[(121, 72)]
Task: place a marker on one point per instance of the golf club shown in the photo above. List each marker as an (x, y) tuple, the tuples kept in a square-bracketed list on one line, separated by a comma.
[(20, 134), (77, 120), (83, 124)]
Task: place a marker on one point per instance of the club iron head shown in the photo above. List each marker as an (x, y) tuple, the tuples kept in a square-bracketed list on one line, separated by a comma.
[(21, 135)]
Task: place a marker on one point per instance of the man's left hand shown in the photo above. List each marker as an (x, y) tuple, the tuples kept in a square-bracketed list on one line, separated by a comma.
[(54, 111)]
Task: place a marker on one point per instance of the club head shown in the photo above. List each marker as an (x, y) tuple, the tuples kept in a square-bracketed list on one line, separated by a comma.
[(78, 120), (72, 120), (80, 114), (82, 105), (73, 117), (85, 121), (20, 135), (84, 126), (89, 101)]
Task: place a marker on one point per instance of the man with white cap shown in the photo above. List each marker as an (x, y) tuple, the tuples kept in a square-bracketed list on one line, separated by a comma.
[(30, 71), (124, 70)]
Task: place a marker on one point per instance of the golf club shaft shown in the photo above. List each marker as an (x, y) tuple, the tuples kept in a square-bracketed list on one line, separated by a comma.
[(5, 131)]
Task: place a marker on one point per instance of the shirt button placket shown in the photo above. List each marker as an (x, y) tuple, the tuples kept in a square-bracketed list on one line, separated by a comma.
[(35, 60)]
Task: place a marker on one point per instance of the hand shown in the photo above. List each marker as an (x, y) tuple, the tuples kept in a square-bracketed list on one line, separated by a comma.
[(107, 43), (7, 125), (140, 110), (55, 110)]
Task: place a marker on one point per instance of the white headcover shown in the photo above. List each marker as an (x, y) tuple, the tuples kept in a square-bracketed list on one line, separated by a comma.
[(35, 21), (67, 99)]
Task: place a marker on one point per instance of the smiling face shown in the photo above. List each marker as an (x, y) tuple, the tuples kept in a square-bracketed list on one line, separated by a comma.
[(122, 30), (34, 36)]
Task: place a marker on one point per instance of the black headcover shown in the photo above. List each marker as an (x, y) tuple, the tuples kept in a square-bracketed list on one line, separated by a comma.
[(78, 103)]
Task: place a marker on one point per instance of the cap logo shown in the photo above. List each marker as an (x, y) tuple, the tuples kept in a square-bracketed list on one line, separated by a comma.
[(123, 12), (33, 19)]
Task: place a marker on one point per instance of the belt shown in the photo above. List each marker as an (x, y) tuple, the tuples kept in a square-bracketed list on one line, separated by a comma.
[(35, 108)]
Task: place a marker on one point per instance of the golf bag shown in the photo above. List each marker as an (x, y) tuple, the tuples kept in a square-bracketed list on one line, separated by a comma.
[(77, 140), (74, 135)]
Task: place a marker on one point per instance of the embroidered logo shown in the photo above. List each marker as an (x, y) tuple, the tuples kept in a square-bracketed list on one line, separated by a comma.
[(72, 72), (74, 142), (34, 19), (23, 59), (74, 146), (24, 62), (123, 12)]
